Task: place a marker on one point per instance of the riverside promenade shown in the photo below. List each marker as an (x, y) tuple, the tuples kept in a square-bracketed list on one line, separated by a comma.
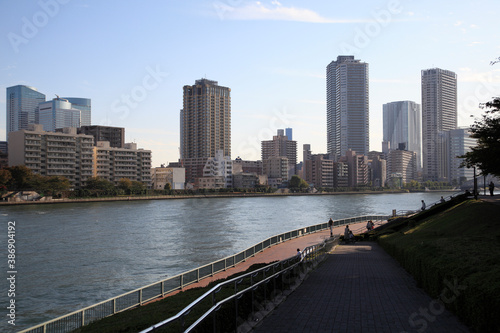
[(360, 288)]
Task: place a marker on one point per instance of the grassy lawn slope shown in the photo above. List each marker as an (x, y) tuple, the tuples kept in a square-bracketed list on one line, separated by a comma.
[(455, 256)]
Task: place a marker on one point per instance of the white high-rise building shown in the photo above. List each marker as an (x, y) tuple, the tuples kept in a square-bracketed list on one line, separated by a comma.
[(439, 114), (347, 106), (402, 127), (58, 113)]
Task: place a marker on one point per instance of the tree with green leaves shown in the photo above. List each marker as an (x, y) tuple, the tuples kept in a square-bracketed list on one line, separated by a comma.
[(21, 177), (137, 187), (486, 154), (125, 184), (98, 186), (5, 177), (297, 183), (167, 186)]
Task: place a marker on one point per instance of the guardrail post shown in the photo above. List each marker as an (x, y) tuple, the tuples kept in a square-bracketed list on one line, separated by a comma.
[(83, 318)]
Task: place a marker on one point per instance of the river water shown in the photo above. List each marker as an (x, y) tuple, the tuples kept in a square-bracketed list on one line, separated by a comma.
[(69, 256)]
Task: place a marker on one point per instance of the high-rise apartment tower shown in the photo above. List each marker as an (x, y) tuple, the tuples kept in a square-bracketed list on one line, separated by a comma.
[(347, 107), (439, 114), (205, 120)]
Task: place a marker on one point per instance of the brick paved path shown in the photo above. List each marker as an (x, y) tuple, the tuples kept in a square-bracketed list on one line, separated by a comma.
[(359, 288)]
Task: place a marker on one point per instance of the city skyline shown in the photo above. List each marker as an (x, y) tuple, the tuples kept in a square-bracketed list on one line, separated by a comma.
[(133, 64)]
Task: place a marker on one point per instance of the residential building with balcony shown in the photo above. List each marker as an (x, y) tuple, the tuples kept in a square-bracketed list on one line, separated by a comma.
[(280, 146), (113, 164), (319, 171), (66, 154), (114, 135), (276, 170)]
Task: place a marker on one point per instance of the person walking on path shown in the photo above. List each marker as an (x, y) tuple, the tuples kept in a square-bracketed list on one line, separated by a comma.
[(330, 224), (492, 188), (423, 205)]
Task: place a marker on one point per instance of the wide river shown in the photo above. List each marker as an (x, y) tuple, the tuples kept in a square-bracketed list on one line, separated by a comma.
[(69, 256)]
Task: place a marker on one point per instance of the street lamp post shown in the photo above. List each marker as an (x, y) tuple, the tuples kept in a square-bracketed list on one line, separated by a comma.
[(484, 183), (475, 183)]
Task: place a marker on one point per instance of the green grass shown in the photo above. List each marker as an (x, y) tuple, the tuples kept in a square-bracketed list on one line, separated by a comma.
[(456, 245)]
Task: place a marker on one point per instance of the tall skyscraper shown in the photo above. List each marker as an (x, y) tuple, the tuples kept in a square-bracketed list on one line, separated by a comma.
[(347, 107), (22, 103), (58, 113), (205, 120), (402, 121), (439, 114), (85, 106)]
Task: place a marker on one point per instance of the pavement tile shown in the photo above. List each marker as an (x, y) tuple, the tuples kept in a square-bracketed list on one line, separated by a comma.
[(359, 288)]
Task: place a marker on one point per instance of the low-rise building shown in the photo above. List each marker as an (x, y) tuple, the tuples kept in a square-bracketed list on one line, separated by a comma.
[(113, 164), (163, 175), (245, 180), (276, 170), (75, 157), (319, 171), (220, 166)]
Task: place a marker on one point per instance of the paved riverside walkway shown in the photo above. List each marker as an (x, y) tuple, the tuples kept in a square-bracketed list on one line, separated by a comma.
[(280, 251), (359, 288)]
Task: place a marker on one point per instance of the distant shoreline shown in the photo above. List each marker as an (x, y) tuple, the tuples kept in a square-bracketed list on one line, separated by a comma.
[(193, 196)]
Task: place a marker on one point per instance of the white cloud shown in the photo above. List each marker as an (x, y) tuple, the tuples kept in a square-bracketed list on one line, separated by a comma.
[(259, 11), (475, 43), (8, 67)]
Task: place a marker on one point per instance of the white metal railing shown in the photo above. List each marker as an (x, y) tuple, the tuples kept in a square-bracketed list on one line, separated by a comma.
[(309, 254), (161, 288), (410, 212)]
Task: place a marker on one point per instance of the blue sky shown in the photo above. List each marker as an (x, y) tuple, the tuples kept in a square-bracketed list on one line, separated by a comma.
[(132, 58)]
